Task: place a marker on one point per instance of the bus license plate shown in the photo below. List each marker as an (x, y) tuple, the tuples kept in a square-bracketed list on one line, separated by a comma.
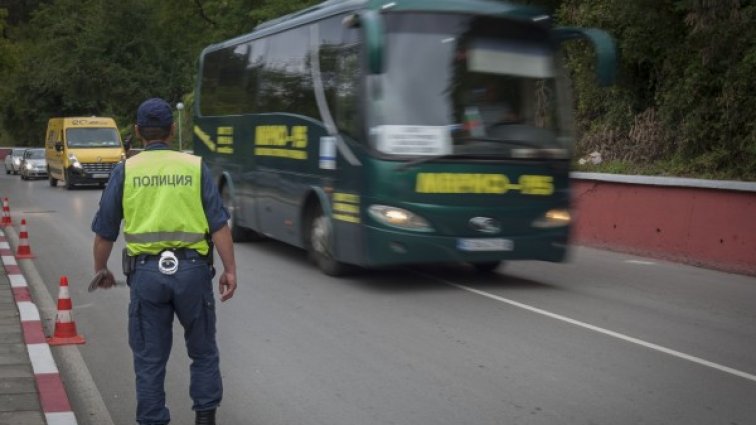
[(497, 244)]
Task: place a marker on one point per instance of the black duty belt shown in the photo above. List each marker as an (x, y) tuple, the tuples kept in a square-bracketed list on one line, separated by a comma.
[(181, 254)]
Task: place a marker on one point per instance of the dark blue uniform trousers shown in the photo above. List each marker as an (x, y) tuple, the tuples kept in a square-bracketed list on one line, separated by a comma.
[(155, 298)]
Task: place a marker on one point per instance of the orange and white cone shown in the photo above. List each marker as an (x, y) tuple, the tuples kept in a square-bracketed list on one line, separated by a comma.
[(6, 214), (24, 250), (65, 327)]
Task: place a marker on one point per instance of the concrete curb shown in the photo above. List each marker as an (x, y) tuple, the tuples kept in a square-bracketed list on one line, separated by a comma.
[(81, 388), (52, 395)]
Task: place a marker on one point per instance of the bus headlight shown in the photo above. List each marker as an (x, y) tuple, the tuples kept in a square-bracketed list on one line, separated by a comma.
[(28, 165), (399, 217), (558, 217), (74, 161), (17, 161)]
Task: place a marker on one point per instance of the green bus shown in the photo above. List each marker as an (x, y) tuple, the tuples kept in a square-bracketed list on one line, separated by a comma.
[(378, 133)]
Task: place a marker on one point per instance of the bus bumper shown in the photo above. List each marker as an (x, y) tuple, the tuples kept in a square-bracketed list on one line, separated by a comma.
[(388, 247)]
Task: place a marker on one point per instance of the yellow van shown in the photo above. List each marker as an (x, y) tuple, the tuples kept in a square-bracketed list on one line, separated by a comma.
[(82, 150)]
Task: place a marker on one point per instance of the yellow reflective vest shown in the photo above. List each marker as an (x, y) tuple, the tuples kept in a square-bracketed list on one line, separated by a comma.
[(162, 203)]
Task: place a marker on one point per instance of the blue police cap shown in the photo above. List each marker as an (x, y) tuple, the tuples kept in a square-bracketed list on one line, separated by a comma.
[(154, 112)]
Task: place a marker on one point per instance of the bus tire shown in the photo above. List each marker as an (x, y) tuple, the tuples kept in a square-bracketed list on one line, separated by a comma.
[(487, 266), (320, 245)]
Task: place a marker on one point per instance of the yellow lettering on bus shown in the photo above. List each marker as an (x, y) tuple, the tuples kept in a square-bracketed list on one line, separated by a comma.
[(461, 183), (281, 153), (225, 131), (347, 208), (346, 197), (482, 183), (279, 135), (277, 141), (347, 218), (536, 185), (299, 136), (205, 138)]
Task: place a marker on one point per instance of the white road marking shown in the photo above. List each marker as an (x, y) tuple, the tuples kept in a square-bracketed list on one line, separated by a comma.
[(613, 334), (4, 245), (9, 260), (641, 262)]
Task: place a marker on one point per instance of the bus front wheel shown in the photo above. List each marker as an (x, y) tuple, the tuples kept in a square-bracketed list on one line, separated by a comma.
[(320, 246)]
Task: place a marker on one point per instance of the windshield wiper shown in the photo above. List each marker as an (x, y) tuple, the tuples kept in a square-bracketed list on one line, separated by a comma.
[(507, 141), (469, 151), (405, 165)]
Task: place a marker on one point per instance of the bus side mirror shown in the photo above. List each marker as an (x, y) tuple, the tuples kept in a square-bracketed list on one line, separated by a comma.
[(606, 51), (59, 146), (372, 29)]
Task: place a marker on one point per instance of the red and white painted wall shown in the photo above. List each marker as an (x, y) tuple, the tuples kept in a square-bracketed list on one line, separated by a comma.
[(706, 223)]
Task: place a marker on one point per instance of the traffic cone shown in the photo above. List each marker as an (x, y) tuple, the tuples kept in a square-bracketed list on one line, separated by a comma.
[(65, 327), (24, 250), (6, 214)]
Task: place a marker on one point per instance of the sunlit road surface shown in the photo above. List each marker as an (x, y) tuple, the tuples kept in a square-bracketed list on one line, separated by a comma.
[(604, 339)]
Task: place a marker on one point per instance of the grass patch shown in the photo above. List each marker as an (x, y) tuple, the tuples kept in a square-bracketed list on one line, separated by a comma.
[(704, 167)]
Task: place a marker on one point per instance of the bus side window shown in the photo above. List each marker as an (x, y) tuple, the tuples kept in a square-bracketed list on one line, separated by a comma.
[(222, 78), (255, 62), (285, 83), (340, 71)]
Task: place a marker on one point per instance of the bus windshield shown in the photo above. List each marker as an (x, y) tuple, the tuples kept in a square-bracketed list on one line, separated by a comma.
[(92, 137), (469, 86)]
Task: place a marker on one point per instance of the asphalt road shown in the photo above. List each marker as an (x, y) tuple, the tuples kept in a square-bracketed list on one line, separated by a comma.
[(604, 339)]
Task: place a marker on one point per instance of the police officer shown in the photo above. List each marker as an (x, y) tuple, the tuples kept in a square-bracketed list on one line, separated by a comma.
[(171, 212)]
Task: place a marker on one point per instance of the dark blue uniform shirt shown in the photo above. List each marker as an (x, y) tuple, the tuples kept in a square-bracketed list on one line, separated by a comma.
[(107, 221)]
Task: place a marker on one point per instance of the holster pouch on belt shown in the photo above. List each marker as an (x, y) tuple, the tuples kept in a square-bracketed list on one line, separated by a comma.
[(210, 254), (127, 262)]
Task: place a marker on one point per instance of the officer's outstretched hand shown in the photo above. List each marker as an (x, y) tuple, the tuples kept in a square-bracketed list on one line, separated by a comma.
[(227, 285), (102, 279)]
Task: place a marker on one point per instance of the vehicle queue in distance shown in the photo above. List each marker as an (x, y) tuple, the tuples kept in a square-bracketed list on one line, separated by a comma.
[(28, 162), (77, 150)]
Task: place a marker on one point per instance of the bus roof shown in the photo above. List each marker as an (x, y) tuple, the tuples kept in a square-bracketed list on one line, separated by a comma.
[(332, 7)]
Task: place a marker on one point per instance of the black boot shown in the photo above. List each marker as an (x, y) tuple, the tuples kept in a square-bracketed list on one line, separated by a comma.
[(205, 417)]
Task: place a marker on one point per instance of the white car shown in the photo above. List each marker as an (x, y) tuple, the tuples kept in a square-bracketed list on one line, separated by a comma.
[(33, 164), (13, 161)]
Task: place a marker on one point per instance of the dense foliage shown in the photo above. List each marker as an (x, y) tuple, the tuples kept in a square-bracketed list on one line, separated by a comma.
[(683, 104)]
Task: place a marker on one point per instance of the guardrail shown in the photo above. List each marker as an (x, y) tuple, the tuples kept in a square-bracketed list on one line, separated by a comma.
[(709, 223)]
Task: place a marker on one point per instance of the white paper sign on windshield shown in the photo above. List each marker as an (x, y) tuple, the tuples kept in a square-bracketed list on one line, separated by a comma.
[(413, 139)]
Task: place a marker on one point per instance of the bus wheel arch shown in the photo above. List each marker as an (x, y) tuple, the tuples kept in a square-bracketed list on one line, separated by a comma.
[(227, 192), (317, 234)]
